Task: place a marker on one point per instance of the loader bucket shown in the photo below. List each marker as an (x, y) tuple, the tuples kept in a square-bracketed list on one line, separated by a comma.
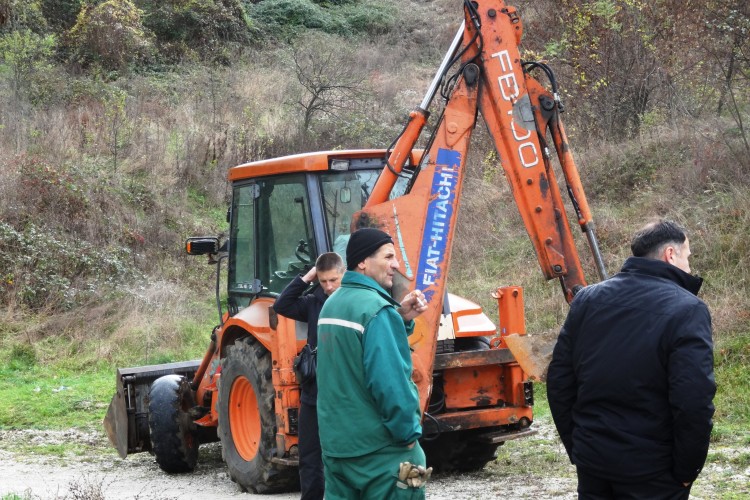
[(533, 353), (126, 421)]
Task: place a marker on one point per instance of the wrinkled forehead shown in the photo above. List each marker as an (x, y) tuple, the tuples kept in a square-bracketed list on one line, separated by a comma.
[(385, 251)]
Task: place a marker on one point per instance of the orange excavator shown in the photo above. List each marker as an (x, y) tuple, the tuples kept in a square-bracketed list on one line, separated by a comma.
[(474, 376)]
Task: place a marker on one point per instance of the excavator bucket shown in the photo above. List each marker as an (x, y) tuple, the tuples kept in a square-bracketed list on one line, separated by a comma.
[(116, 424), (126, 421), (533, 353)]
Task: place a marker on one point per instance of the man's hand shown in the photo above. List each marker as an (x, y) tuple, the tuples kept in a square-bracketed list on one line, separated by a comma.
[(310, 276), (412, 305)]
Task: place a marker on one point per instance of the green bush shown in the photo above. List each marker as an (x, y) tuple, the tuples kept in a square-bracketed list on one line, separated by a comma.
[(27, 55), (22, 15), (206, 27), (53, 271), (22, 357), (370, 18), (334, 3), (61, 14), (111, 35), (279, 17)]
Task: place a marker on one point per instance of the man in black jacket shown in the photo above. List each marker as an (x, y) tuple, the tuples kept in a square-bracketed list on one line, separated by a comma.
[(631, 381), (294, 304)]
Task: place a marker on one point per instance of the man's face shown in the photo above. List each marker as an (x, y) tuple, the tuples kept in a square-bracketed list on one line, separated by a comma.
[(381, 265), (330, 280), (679, 257)]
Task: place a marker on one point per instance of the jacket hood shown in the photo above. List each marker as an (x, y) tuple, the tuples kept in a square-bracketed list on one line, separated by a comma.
[(660, 269)]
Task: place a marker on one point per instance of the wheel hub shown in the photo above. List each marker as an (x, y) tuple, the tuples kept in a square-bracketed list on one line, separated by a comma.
[(244, 419)]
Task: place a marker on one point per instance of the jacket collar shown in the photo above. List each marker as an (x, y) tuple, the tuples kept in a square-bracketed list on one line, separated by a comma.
[(660, 269), (354, 279), (318, 292)]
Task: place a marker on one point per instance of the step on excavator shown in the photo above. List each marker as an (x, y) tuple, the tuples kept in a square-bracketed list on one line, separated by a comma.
[(475, 376)]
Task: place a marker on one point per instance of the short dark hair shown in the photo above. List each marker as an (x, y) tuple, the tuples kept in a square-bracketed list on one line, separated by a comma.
[(329, 261), (650, 239)]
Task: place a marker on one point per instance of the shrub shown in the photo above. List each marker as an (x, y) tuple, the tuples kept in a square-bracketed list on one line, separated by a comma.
[(51, 270), (343, 17), (26, 54), (54, 193), (22, 15), (110, 34), (61, 14), (206, 27), (370, 18), (22, 357), (282, 17)]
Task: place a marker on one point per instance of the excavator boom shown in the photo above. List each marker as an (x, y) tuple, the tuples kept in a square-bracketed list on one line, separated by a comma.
[(520, 114)]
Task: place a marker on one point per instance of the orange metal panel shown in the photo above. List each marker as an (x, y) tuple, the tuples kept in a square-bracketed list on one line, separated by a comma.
[(477, 386)]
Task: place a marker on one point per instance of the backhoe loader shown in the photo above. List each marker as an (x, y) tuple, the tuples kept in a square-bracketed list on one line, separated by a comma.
[(474, 376)]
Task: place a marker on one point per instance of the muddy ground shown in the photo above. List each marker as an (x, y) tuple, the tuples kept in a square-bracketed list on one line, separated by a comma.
[(536, 469)]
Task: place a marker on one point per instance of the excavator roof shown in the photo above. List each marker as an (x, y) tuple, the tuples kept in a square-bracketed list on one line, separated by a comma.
[(309, 162)]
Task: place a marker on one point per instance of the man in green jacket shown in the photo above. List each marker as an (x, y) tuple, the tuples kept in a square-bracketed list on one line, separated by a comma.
[(368, 405)]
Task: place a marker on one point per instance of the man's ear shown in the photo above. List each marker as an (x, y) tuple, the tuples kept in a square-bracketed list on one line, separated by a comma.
[(669, 254)]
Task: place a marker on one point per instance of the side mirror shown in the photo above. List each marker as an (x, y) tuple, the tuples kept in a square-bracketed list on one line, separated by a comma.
[(201, 245)]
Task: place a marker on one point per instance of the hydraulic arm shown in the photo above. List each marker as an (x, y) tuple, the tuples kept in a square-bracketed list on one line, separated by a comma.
[(520, 114)]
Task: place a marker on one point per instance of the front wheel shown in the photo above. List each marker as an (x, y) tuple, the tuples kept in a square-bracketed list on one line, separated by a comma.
[(174, 438), (247, 422)]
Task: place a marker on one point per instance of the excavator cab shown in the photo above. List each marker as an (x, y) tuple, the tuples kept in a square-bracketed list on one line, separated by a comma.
[(281, 223), (284, 213)]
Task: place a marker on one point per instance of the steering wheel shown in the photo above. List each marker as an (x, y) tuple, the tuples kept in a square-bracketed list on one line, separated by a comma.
[(302, 252)]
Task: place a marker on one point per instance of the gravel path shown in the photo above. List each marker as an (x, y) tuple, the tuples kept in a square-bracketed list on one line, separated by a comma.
[(536, 469)]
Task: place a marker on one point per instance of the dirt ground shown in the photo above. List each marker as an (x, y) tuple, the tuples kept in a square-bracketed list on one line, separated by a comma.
[(98, 473), (95, 472)]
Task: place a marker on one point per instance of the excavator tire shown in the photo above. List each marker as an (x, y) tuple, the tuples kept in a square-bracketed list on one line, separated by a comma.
[(247, 422), (458, 452), (174, 438)]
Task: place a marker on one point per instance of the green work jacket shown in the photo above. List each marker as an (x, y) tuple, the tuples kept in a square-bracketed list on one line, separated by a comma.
[(366, 397)]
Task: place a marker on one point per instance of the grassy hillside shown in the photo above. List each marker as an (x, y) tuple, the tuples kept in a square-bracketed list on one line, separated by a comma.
[(109, 163)]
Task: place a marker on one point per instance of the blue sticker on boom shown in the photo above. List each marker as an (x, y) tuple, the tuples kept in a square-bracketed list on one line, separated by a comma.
[(439, 213)]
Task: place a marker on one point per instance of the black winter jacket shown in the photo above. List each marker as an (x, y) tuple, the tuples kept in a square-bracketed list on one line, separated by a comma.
[(631, 381), (293, 304)]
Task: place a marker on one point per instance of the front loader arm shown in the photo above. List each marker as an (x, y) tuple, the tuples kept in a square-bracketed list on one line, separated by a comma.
[(517, 111)]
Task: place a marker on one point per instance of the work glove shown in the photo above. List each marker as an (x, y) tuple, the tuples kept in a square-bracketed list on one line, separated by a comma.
[(413, 476)]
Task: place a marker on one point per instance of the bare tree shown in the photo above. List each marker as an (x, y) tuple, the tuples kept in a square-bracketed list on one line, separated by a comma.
[(331, 80)]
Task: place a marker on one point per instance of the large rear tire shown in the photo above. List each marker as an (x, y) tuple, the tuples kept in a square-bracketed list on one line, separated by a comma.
[(247, 422), (174, 438)]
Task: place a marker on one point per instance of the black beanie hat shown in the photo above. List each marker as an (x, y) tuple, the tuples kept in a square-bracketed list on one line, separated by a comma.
[(363, 243)]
